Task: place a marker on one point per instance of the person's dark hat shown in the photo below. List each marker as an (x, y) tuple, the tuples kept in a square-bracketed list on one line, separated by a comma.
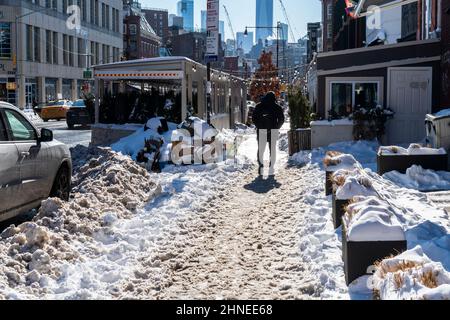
[(270, 96)]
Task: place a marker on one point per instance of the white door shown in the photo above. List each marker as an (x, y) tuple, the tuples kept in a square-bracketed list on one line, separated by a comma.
[(410, 96)]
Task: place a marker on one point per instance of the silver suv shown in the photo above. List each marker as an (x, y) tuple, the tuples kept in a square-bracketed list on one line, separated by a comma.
[(33, 166)]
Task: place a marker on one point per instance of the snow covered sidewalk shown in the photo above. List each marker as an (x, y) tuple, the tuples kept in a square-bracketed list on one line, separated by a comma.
[(242, 244)]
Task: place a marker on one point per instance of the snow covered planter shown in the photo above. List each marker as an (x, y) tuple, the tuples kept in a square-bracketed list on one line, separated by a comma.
[(333, 162), (411, 276), (348, 184), (400, 159), (370, 233)]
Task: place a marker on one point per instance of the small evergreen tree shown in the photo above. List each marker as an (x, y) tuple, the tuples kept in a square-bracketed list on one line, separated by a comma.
[(299, 110)]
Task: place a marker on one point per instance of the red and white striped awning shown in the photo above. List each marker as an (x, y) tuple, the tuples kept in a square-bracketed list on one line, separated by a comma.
[(138, 75)]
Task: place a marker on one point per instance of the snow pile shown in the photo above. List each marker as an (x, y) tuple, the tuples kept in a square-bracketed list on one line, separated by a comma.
[(107, 187), (336, 161), (32, 116), (411, 276), (365, 152), (414, 149), (371, 219), (132, 144), (355, 186), (420, 179)]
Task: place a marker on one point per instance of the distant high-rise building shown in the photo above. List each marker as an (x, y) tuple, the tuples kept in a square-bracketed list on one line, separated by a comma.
[(204, 15), (175, 21), (186, 10), (264, 18), (284, 32), (244, 42), (222, 29)]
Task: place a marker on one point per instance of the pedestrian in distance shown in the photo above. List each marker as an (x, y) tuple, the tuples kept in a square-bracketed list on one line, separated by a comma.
[(268, 118)]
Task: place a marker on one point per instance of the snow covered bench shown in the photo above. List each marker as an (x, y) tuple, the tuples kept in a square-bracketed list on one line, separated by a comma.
[(370, 233), (400, 159)]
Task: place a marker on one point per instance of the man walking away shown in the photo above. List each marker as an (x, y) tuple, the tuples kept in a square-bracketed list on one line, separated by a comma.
[(268, 118)]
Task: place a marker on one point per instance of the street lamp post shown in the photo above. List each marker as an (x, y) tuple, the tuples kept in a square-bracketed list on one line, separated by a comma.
[(278, 27)]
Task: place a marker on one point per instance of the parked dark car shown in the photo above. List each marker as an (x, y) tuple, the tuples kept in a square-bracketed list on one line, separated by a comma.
[(78, 114)]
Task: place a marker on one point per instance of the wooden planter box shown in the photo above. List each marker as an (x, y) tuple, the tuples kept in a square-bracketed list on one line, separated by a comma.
[(401, 163), (299, 140), (338, 210), (360, 256)]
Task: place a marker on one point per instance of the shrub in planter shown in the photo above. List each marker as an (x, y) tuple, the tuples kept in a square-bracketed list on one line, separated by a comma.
[(299, 113), (333, 162), (399, 159), (370, 123), (353, 186), (370, 233)]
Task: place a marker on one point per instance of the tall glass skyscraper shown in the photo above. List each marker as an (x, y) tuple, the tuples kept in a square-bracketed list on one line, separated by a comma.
[(264, 18), (186, 10)]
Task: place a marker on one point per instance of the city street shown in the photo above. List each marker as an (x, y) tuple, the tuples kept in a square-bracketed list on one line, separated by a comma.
[(79, 135)]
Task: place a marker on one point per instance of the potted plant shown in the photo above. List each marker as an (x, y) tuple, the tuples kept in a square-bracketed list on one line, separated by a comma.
[(399, 159), (300, 117), (370, 233)]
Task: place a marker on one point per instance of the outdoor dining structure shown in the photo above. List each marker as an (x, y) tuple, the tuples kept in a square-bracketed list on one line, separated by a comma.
[(177, 81)]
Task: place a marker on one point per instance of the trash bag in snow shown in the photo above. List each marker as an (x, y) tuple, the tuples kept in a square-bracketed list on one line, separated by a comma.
[(158, 124), (199, 128)]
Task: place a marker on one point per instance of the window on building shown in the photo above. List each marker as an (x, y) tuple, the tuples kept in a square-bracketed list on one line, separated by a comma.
[(65, 50), (330, 11), (409, 21), (97, 53), (37, 44), (92, 12), (48, 46), (330, 31), (347, 96), (81, 53), (92, 53), (103, 15), (55, 48), (5, 40), (132, 29), (96, 13), (108, 18), (71, 52)]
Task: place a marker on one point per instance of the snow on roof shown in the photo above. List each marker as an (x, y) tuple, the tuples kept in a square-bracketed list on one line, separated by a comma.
[(146, 61)]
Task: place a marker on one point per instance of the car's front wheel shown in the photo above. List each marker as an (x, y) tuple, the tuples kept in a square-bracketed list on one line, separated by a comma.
[(61, 185)]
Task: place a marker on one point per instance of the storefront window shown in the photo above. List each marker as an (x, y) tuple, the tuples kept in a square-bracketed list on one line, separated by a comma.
[(346, 96), (341, 98), (5, 40), (366, 95)]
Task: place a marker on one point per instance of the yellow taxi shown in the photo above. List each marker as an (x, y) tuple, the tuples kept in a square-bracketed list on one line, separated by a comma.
[(56, 110)]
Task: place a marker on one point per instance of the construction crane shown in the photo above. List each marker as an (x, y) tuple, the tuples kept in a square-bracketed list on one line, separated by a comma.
[(230, 25), (288, 21)]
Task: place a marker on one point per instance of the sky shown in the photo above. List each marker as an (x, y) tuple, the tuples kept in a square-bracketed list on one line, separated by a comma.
[(242, 13)]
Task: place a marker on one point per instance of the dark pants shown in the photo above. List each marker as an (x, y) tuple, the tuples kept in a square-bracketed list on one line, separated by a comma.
[(267, 137)]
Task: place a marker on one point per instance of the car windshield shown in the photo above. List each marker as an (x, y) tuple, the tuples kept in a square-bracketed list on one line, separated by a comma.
[(79, 103), (56, 103)]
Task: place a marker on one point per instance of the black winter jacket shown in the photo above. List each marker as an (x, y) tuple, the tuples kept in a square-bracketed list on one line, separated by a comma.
[(268, 115)]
